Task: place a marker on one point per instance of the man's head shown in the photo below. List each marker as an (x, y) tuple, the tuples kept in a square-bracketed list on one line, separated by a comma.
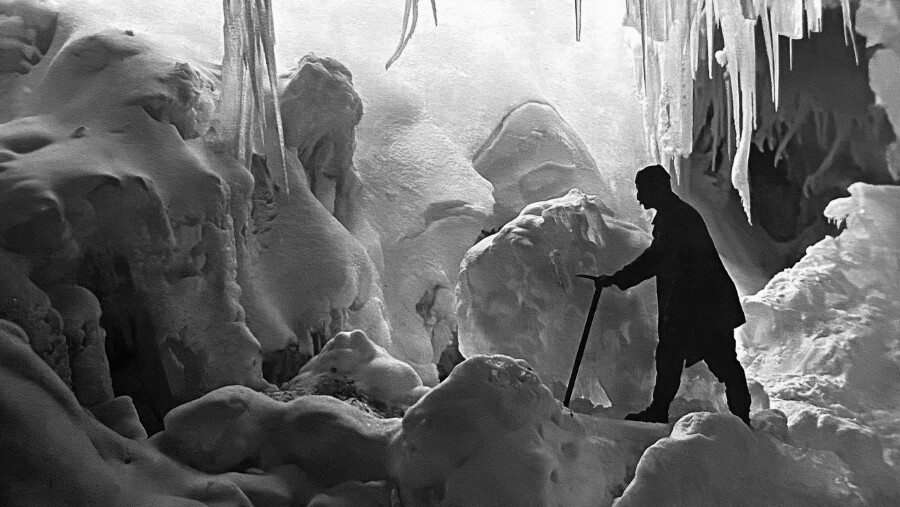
[(653, 184)]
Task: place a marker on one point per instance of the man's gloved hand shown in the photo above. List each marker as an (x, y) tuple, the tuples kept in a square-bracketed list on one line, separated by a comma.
[(603, 281), (600, 281)]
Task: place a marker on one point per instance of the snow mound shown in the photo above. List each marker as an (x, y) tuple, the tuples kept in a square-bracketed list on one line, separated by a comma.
[(714, 459), (234, 428), (518, 296), (353, 356), (823, 337), (534, 155), (492, 434), (111, 190), (48, 438)]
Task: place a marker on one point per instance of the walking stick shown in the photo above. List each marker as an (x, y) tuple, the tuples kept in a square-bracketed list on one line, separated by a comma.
[(584, 337)]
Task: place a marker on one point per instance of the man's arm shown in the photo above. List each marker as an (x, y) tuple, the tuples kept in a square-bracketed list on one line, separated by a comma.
[(638, 270)]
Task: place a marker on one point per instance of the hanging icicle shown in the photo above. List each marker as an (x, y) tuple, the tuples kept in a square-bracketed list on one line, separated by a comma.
[(409, 26), (577, 20), (248, 71), (735, 126)]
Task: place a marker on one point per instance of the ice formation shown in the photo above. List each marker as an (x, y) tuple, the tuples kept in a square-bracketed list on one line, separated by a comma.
[(99, 144), (532, 156), (822, 337), (492, 434), (353, 357), (249, 84), (672, 34), (738, 466), (518, 296)]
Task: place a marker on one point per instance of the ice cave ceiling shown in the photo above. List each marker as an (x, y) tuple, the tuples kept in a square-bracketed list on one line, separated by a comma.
[(246, 248)]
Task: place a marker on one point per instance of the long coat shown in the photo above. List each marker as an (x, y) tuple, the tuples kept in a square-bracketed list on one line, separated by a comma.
[(698, 302)]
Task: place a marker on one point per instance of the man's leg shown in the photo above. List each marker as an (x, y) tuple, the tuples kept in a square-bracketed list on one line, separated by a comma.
[(669, 364), (723, 363)]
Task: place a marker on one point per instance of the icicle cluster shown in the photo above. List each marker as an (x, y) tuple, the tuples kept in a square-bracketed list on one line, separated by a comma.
[(248, 72), (410, 18), (671, 35)]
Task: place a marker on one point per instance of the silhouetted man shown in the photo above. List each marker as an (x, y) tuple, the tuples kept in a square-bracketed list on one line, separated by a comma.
[(698, 303)]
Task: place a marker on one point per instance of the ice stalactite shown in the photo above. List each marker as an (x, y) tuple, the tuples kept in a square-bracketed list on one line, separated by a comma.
[(410, 19), (577, 20), (249, 79), (672, 35)]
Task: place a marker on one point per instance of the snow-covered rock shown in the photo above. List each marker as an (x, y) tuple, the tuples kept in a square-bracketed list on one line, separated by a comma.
[(234, 428), (714, 459), (519, 296), (49, 439), (492, 434), (534, 155), (110, 189), (353, 357), (823, 336)]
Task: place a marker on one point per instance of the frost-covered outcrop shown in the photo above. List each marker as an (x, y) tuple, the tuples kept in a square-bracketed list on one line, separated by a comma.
[(738, 467), (203, 457), (492, 434), (534, 155), (353, 358), (823, 338), (113, 191), (519, 296)]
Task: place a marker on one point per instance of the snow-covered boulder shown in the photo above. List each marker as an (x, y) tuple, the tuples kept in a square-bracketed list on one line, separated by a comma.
[(234, 428), (353, 357), (534, 155), (492, 434), (49, 439), (519, 296), (714, 459), (822, 337)]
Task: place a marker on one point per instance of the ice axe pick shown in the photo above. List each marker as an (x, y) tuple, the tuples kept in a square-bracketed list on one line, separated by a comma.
[(584, 336)]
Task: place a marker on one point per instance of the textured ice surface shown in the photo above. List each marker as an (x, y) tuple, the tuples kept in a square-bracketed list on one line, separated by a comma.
[(714, 459), (492, 434), (823, 338), (353, 356), (532, 156), (519, 296)]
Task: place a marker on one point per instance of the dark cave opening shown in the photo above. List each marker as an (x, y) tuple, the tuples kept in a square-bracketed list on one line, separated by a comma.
[(827, 132), (134, 362)]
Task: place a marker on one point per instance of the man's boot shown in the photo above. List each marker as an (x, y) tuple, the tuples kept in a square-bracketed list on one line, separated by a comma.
[(649, 415)]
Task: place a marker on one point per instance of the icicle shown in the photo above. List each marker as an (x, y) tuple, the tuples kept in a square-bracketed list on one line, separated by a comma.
[(644, 45), (739, 59), (763, 9), (710, 34), (408, 26), (248, 31), (776, 64), (694, 38), (814, 15), (268, 43), (848, 28), (791, 54), (788, 18), (577, 20)]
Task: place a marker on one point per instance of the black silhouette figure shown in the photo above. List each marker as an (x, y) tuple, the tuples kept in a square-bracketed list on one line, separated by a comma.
[(698, 302)]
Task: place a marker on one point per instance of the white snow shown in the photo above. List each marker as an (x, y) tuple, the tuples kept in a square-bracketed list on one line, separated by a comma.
[(823, 338), (354, 357)]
